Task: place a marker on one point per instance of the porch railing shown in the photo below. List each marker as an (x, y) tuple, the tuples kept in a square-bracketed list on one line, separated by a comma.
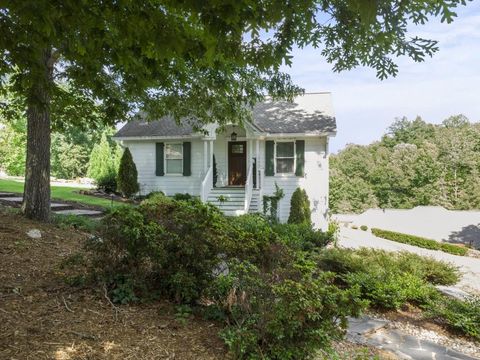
[(207, 184), (248, 187)]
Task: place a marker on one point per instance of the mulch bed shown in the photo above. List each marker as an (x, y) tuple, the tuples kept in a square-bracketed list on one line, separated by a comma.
[(43, 318)]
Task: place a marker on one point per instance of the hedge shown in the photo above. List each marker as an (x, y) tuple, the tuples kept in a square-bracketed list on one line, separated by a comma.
[(420, 241)]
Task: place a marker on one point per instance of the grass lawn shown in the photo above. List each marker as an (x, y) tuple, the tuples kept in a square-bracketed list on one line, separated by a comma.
[(61, 193)]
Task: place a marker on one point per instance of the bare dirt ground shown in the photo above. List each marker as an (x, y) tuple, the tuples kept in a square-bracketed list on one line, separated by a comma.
[(43, 318)]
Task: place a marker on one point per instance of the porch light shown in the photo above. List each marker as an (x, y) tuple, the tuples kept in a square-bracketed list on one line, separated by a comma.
[(233, 136)]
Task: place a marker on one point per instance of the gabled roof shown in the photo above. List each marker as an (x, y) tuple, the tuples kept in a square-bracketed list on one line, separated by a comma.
[(309, 114)]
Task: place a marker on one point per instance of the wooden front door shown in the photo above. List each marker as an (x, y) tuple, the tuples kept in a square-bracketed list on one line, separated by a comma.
[(237, 163)]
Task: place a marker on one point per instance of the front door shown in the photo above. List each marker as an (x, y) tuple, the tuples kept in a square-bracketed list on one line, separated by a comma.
[(237, 163)]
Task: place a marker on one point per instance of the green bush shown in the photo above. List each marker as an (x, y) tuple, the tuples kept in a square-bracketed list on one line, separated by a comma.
[(127, 179), (458, 315), (364, 227), (303, 236), (84, 223), (107, 182), (163, 245), (182, 196), (420, 242), (388, 280), (299, 208), (288, 312)]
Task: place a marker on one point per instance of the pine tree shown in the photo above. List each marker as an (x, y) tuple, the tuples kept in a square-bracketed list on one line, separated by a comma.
[(299, 208), (127, 180)]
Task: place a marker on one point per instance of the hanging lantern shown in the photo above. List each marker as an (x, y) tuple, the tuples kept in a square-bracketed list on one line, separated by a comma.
[(233, 136)]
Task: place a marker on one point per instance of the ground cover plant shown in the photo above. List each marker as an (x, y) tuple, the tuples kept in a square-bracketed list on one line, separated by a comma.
[(420, 242)]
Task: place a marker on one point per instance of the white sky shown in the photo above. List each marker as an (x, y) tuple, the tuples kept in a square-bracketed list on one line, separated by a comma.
[(447, 84)]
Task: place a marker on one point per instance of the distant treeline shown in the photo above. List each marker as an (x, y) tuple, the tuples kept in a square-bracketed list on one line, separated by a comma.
[(415, 163)]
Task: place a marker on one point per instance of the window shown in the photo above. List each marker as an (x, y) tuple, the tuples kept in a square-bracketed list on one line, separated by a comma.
[(285, 157), (174, 158)]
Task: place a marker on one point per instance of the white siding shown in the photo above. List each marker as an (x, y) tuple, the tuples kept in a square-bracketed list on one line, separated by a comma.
[(315, 181), (143, 153)]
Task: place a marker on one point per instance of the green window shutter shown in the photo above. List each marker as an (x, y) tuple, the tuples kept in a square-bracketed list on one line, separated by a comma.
[(159, 171), (300, 157), (269, 158), (187, 158)]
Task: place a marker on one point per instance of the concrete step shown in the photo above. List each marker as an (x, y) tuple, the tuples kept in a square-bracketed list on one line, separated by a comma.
[(7, 195), (80, 212)]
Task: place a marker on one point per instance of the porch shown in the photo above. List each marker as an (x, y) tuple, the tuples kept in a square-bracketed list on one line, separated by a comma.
[(232, 177)]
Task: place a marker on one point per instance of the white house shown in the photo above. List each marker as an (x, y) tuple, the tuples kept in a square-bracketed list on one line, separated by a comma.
[(286, 144)]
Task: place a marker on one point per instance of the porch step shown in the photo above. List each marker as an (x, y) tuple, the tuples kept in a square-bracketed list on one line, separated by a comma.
[(230, 200)]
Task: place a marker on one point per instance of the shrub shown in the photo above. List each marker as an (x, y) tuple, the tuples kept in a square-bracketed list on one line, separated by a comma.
[(303, 236), (299, 208), (288, 312), (182, 196), (77, 222), (107, 182), (458, 315), (388, 280), (419, 241), (364, 227), (127, 180)]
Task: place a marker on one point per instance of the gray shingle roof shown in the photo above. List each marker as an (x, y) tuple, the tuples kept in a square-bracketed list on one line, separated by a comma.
[(307, 114)]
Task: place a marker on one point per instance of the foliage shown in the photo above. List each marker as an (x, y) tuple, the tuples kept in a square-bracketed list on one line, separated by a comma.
[(420, 242), (166, 244), (182, 196), (458, 315), (364, 227), (104, 163), (415, 163), (83, 223), (288, 311), (299, 208), (303, 236), (127, 180), (388, 280), (69, 151), (270, 203)]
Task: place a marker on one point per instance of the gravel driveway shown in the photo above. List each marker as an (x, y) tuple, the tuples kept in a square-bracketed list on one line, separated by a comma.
[(470, 267)]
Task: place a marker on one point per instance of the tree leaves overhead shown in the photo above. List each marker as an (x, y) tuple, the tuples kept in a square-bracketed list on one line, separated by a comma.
[(207, 59)]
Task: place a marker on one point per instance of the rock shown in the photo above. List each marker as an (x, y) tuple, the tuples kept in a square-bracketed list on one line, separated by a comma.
[(453, 292), (34, 234)]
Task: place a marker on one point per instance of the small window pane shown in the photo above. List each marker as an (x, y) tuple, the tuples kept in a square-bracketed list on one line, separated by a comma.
[(285, 149), (237, 148), (285, 165), (174, 151), (174, 166)]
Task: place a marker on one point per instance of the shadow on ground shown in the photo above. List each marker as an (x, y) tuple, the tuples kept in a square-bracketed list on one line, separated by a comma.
[(469, 235)]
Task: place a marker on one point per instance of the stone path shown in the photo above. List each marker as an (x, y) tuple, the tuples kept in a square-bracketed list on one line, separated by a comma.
[(374, 332), (470, 267), (57, 208)]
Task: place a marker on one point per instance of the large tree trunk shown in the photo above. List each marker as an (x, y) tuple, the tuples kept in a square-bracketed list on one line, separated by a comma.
[(36, 194)]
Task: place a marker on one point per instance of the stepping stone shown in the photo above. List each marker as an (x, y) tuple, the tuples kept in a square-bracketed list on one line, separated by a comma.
[(7, 195), (14, 199), (79, 212), (59, 206), (364, 325), (453, 292)]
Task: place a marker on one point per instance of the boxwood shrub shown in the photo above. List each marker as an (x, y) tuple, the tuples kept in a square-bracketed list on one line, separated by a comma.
[(420, 241)]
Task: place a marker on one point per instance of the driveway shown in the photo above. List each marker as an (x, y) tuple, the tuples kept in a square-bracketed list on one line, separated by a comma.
[(470, 267)]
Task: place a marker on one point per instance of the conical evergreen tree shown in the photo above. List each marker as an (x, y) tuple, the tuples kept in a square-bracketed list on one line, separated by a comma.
[(299, 208), (127, 180)]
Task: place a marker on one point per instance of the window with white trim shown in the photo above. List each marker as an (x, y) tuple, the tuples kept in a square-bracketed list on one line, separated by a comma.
[(174, 158), (285, 157)]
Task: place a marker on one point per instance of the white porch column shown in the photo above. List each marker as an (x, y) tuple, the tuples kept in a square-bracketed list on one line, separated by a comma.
[(211, 154), (205, 156)]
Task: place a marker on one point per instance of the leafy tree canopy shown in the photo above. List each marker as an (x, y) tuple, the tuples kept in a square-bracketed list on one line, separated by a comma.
[(415, 163)]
